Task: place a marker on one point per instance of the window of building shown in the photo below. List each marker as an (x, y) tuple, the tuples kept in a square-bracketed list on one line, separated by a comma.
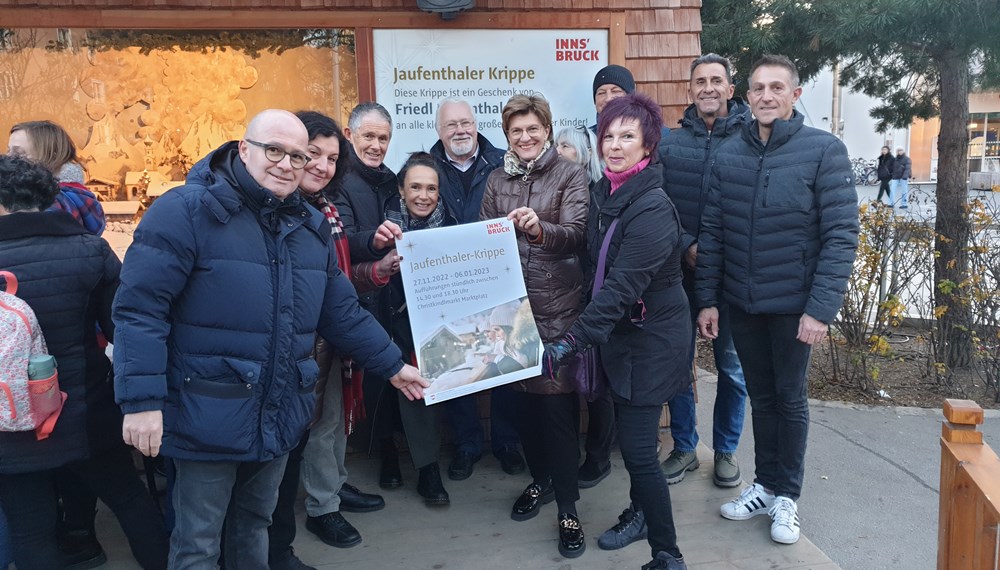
[(158, 101)]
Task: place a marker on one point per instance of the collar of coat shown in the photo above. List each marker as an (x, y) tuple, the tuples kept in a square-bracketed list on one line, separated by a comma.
[(738, 113), (646, 180), (32, 224), (781, 131), (230, 188), (374, 177)]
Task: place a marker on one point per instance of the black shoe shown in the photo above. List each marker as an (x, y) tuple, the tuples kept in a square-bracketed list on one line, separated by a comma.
[(353, 500), (534, 496), (591, 473), (287, 561), (664, 561), (333, 529), (462, 465), (631, 527), (390, 477), (571, 541), (430, 487), (80, 549), (510, 460)]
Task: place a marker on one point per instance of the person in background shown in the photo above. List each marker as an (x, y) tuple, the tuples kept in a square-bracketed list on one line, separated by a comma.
[(899, 185), (885, 165), (50, 145), (639, 319), (777, 245), (319, 457), (49, 251), (465, 159), (578, 144), (547, 199), (228, 392)]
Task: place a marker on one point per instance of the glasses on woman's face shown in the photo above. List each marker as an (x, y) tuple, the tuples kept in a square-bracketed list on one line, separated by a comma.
[(533, 131), (276, 154)]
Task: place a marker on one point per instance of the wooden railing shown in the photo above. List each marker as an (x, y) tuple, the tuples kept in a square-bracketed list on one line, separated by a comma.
[(969, 513)]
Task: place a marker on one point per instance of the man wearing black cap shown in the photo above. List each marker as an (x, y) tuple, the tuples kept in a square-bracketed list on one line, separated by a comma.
[(611, 83)]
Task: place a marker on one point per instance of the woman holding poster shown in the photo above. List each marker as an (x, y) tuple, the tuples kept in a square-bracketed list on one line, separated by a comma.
[(417, 207), (547, 198), (639, 317)]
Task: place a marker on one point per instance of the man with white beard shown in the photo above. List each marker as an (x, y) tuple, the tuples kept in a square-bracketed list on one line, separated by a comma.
[(466, 159)]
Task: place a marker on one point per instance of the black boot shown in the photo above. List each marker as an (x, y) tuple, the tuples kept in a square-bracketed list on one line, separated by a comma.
[(390, 476), (80, 549), (430, 487)]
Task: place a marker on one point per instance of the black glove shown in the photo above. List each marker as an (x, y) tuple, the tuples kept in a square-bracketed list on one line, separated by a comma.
[(556, 353)]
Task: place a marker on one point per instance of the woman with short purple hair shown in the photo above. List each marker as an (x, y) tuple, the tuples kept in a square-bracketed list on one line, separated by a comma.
[(639, 318)]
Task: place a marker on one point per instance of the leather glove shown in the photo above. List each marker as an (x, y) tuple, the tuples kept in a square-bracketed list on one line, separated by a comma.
[(556, 353)]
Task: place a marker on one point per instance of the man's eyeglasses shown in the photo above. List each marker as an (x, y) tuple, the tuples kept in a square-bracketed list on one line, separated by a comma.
[(276, 154), (532, 131), (453, 126)]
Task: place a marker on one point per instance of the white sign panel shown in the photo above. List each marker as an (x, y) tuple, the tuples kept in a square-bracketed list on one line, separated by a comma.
[(472, 325), (416, 69)]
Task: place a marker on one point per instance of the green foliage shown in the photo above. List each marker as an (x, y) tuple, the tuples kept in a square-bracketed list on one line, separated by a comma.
[(251, 42)]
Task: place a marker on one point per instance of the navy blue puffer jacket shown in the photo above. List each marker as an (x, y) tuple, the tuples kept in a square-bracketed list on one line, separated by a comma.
[(222, 293), (686, 155), (780, 228)]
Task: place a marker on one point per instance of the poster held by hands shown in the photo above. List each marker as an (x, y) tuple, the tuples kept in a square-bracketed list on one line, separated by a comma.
[(469, 313)]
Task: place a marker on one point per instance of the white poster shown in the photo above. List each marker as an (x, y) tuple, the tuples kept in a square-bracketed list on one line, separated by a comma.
[(416, 69), (472, 325)]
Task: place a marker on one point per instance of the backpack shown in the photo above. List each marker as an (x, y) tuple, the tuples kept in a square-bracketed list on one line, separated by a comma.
[(25, 404)]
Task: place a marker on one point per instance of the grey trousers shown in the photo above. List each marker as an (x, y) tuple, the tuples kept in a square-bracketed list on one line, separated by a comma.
[(205, 494), (323, 469)]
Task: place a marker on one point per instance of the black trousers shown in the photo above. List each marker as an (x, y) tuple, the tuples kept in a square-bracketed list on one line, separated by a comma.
[(775, 364), (548, 427), (883, 188), (600, 429), (638, 430)]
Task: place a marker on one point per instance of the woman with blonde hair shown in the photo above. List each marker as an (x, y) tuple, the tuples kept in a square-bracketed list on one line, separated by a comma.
[(547, 198)]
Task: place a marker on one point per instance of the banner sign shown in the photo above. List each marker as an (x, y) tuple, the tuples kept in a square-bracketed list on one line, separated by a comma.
[(416, 69), (472, 325)]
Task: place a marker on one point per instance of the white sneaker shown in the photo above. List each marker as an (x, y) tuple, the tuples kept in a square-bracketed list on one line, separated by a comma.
[(753, 501), (784, 521)]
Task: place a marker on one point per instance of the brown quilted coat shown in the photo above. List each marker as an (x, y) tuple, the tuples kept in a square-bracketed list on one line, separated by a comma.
[(557, 190)]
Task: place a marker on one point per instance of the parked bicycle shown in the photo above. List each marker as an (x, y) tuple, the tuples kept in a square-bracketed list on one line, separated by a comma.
[(865, 172)]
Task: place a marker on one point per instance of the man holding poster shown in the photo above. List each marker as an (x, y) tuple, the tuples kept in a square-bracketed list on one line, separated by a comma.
[(466, 158)]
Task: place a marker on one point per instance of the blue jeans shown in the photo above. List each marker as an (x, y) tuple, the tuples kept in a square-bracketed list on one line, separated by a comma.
[(638, 430), (897, 192), (208, 493), (463, 417), (776, 366), (730, 398)]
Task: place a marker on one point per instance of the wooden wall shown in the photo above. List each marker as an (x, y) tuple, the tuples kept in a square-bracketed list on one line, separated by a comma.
[(656, 39)]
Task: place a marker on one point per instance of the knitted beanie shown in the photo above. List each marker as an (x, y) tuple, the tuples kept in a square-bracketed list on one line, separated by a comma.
[(614, 75), (503, 315)]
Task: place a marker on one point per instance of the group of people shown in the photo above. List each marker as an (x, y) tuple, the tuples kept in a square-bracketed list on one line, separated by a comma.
[(259, 317), (894, 173)]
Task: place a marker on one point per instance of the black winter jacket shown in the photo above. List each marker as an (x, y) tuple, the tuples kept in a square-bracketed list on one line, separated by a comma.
[(68, 278), (462, 205), (886, 163), (362, 195), (687, 159), (780, 228), (901, 168), (647, 359)]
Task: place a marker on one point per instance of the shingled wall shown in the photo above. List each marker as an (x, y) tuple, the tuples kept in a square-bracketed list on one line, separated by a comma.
[(661, 36)]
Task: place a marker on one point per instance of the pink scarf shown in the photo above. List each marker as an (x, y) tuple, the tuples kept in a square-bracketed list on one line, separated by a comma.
[(619, 178)]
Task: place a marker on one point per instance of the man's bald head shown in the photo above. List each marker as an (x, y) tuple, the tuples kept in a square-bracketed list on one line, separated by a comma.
[(279, 129)]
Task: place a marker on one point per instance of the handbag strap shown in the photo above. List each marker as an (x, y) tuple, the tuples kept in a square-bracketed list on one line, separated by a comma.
[(602, 257)]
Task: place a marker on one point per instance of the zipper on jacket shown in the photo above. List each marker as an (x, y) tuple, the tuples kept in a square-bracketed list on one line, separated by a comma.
[(767, 183), (753, 232), (276, 309)]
